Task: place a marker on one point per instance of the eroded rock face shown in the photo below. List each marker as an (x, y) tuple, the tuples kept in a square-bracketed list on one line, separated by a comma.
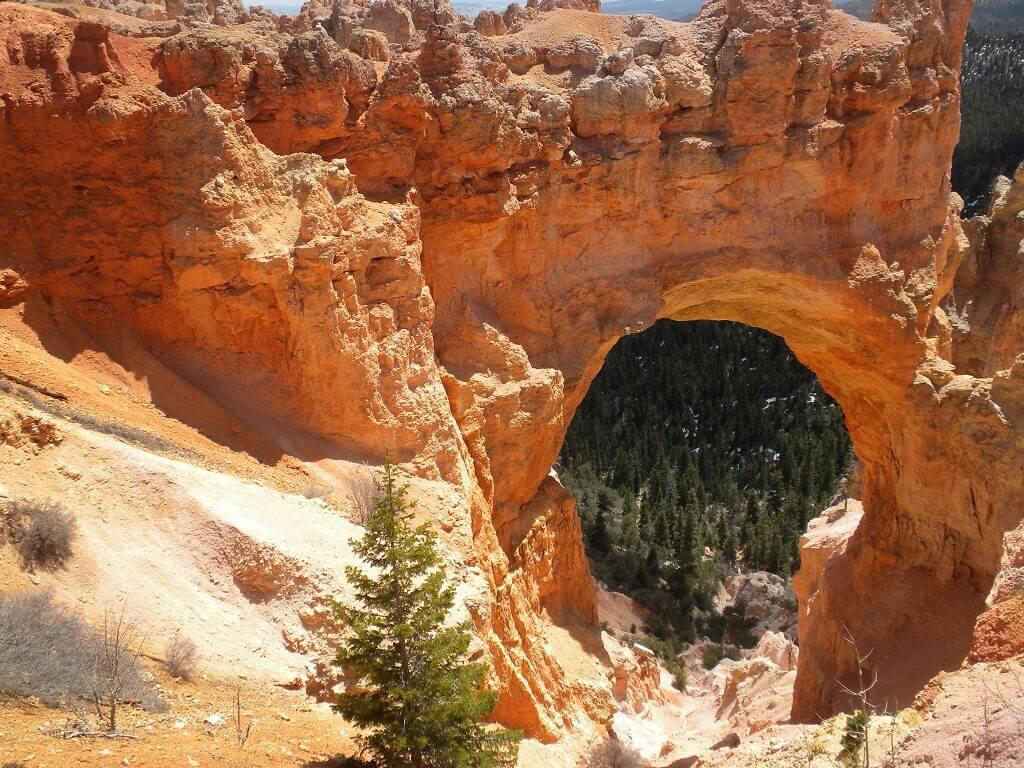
[(636, 681), (219, 12), (297, 92), (507, 201), (768, 600)]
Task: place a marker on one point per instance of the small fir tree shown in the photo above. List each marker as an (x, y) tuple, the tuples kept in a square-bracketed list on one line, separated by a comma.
[(630, 524), (422, 705)]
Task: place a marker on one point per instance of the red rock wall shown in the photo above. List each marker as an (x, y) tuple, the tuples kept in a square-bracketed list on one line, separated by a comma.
[(517, 203)]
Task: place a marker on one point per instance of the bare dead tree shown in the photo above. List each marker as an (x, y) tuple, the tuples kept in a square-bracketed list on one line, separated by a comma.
[(117, 673), (860, 694), (242, 732), (895, 747)]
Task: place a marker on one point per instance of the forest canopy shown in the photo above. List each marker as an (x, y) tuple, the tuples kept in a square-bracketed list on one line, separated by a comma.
[(700, 448)]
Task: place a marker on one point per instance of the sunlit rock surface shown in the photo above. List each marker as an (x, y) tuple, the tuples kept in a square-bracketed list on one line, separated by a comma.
[(469, 223)]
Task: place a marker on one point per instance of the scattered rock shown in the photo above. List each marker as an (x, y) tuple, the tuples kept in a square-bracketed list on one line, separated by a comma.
[(70, 471), (13, 287), (730, 741)]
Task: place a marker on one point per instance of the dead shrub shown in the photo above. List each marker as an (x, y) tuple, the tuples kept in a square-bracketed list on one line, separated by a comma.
[(181, 657), (614, 754), (118, 676), (48, 652), (243, 728), (42, 532), (316, 492), (45, 650), (363, 495)]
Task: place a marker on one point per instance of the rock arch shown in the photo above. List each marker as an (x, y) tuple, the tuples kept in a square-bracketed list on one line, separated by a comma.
[(820, 215), (491, 210)]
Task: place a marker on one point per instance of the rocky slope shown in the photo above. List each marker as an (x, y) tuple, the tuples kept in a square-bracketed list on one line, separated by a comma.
[(474, 212)]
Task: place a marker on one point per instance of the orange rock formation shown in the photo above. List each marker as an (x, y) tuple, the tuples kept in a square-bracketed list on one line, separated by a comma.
[(494, 204)]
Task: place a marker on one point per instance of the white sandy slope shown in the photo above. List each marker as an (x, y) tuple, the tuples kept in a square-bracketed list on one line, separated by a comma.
[(231, 563)]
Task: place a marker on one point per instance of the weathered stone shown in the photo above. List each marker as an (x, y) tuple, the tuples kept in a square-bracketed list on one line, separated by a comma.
[(369, 44), (775, 163), (580, 52), (489, 23)]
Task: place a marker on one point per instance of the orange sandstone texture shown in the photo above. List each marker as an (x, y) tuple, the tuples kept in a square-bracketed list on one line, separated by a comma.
[(484, 208)]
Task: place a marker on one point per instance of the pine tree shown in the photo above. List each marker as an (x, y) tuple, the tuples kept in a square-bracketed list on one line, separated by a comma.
[(630, 524), (600, 540), (423, 705)]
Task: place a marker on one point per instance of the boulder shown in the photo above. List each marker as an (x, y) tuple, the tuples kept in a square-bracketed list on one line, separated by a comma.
[(369, 44), (580, 52)]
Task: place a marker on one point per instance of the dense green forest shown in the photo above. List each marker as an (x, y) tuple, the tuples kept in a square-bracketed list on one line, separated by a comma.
[(992, 127), (699, 449), (998, 17)]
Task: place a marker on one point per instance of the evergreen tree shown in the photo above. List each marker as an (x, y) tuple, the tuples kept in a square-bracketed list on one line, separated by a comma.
[(599, 538), (630, 538), (992, 130), (423, 705)]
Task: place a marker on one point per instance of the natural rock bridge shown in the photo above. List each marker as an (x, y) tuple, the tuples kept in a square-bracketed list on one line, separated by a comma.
[(519, 194)]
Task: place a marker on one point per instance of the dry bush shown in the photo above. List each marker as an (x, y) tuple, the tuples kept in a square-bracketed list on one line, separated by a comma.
[(314, 491), (45, 650), (118, 676), (181, 657), (48, 652), (243, 728), (363, 493), (614, 754), (42, 532)]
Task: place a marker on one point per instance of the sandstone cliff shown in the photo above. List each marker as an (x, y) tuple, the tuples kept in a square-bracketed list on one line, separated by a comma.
[(473, 214)]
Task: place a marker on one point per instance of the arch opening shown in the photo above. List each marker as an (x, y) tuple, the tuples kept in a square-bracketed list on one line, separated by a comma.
[(709, 420), (921, 623), (697, 458)]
